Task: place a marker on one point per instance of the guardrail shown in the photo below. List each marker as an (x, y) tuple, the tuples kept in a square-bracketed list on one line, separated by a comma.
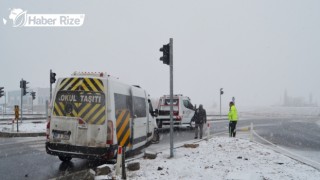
[(217, 115), (24, 118), (12, 114)]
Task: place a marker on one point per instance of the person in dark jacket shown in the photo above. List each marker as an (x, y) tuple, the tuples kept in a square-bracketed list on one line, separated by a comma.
[(200, 119)]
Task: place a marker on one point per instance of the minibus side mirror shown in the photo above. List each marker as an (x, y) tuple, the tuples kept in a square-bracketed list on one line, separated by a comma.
[(156, 112)]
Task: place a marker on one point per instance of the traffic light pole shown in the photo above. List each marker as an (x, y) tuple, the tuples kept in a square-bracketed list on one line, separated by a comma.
[(21, 102), (5, 102), (171, 97), (50, 86), (220, 104), (32, 105)]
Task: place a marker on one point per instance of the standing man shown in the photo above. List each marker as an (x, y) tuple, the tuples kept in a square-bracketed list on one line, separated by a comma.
[(233, 118), (201, 118)]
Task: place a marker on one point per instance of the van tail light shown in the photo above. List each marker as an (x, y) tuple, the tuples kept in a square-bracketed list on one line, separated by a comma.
[(80, 121), (110, 132), (178, 118), (175, 113), (48, 130)]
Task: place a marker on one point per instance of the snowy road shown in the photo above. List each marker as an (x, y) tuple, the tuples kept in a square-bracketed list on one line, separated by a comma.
[(26, 158)]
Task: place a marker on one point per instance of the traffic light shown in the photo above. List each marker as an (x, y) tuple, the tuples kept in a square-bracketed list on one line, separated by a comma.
[(221, 91), (23, 85), (52, 77), (166, 54), (33, 94), (1, 92)]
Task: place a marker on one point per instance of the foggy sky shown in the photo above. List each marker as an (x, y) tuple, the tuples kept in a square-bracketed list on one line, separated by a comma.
[(253, 49)]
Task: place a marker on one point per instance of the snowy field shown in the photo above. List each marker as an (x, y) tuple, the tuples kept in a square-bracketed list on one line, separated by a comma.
[(272, 111), (25, 127), (223, 158)]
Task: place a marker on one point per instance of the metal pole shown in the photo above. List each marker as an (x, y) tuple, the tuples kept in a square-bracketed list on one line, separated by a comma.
[(220, 103), (21, 101), (124, 175), (47, 105), (32, 105), (171, 97), (18, 121), (50, 86), (5, 102)]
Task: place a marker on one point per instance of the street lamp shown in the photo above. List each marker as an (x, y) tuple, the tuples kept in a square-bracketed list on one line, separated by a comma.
[(221, 92)]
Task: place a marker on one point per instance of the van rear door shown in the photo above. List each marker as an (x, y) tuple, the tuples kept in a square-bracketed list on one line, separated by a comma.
[(79, 112)]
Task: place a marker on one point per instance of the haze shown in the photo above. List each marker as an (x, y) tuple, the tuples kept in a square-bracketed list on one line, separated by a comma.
[(255, 50)]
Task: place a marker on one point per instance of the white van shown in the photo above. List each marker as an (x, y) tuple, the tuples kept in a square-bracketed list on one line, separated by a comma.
[(93, 113), (183, 110)]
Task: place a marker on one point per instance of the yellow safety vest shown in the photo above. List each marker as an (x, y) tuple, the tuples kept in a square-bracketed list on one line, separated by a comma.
[(233, 114)]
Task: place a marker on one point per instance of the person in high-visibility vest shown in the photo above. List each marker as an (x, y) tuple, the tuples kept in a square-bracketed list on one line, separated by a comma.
[(233, 119)]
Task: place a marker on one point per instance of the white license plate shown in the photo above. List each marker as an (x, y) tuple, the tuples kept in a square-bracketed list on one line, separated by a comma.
[(61, 135)]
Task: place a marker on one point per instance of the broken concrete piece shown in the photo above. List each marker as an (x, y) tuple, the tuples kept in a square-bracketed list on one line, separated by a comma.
[(191, 145)]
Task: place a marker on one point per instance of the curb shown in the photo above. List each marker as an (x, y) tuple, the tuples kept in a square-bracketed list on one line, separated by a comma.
[(9, 134)]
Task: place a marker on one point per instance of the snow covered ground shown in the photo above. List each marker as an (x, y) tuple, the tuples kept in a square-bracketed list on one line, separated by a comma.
[(223, 158), (35, 126)]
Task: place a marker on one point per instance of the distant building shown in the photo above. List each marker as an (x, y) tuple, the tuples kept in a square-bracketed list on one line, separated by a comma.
[(297, 101), (42, 95)]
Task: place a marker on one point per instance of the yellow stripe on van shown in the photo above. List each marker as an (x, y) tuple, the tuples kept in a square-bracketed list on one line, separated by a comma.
[(75, 87), (87, 106), (98, 84), (90, 84), (120, 117), (94, 118), (86, 117), (84, 87), (57, 111), (127, 136), (92, 112), (123, 127), (78, 84), (70, 84), (64, 82), (102, 120)]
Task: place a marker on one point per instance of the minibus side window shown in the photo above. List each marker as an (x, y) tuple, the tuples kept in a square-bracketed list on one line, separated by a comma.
[(122, 102), (140, 108)]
